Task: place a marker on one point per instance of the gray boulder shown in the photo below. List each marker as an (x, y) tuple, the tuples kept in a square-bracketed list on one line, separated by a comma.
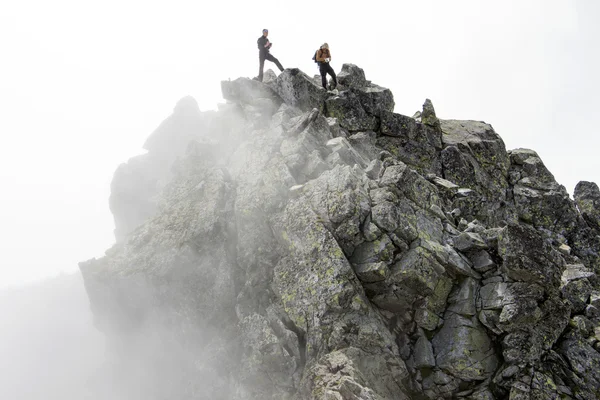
[(349, 111), (352, 76), (587, 198), (298, 90)]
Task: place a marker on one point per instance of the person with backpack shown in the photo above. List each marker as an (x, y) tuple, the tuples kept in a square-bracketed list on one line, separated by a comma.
[(264, 45), (323, 57)]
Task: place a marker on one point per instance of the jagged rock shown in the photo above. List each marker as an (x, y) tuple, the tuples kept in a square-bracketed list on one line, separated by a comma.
[(583, 325), (417, 274), (349, 111), (585, 362), (424, 353), (365, 144), (482, 261), (564, 249), (538, 198), (372, 252), (428, 116), (445, 184), (587, 198), (269, 76), (372, 272), (137, 183), (468, 241), (354, 374), (528, 258), (463, 349), (298, 90), (347, 154), (458, 265), (463, 301), (474, 157), (376, 100), (374, 169), (248, 92), (577, 292), (595, 298), (352, 76), (319, 246), (426, 319), (593, 313), (413, 143)]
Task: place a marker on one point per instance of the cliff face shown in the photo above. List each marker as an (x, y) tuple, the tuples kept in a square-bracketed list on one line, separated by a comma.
[(316, 245)]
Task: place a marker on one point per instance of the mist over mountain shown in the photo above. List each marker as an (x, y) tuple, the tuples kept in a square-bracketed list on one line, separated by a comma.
[(300, 243)]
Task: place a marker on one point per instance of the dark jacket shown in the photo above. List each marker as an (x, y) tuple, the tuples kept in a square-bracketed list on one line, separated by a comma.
[(263, 44)]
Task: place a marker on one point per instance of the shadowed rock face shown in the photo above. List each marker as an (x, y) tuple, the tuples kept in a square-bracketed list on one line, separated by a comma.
[(305, 244)]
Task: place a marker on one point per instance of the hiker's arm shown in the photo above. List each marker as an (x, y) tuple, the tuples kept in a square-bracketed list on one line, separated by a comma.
[(320, 56)]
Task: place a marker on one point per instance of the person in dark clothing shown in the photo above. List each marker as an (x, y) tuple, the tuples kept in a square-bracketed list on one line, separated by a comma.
[(323, 58), (264, 45)]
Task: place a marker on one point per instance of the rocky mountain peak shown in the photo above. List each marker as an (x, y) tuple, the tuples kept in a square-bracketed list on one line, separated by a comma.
[(300, 243)]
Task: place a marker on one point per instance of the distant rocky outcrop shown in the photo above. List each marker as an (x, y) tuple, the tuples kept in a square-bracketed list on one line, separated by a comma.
[(306, 244)]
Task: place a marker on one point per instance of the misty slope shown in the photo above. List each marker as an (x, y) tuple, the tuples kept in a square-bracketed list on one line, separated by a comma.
[(304, 244)]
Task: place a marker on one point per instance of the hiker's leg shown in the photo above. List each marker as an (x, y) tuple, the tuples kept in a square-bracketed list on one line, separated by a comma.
[(276, 61), (261, 67), (332, 73), (323, 72)]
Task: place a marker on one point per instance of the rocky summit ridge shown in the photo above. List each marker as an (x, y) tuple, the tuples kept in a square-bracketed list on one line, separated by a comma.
[(305, 244)]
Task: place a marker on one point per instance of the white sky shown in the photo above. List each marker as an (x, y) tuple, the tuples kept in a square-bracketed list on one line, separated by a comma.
[(82, 84)]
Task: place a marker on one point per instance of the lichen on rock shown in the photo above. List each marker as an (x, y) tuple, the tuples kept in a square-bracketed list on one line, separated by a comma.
[(305, 244)]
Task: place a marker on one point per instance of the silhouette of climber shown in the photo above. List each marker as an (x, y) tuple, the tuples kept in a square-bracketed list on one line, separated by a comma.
[(264, 45), (323, 58)]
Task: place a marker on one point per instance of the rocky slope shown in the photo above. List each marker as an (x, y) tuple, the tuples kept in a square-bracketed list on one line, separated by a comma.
[(305, 244)]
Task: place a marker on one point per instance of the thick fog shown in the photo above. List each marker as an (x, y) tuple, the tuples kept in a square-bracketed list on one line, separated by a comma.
[(49, 346), (51, 350)]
